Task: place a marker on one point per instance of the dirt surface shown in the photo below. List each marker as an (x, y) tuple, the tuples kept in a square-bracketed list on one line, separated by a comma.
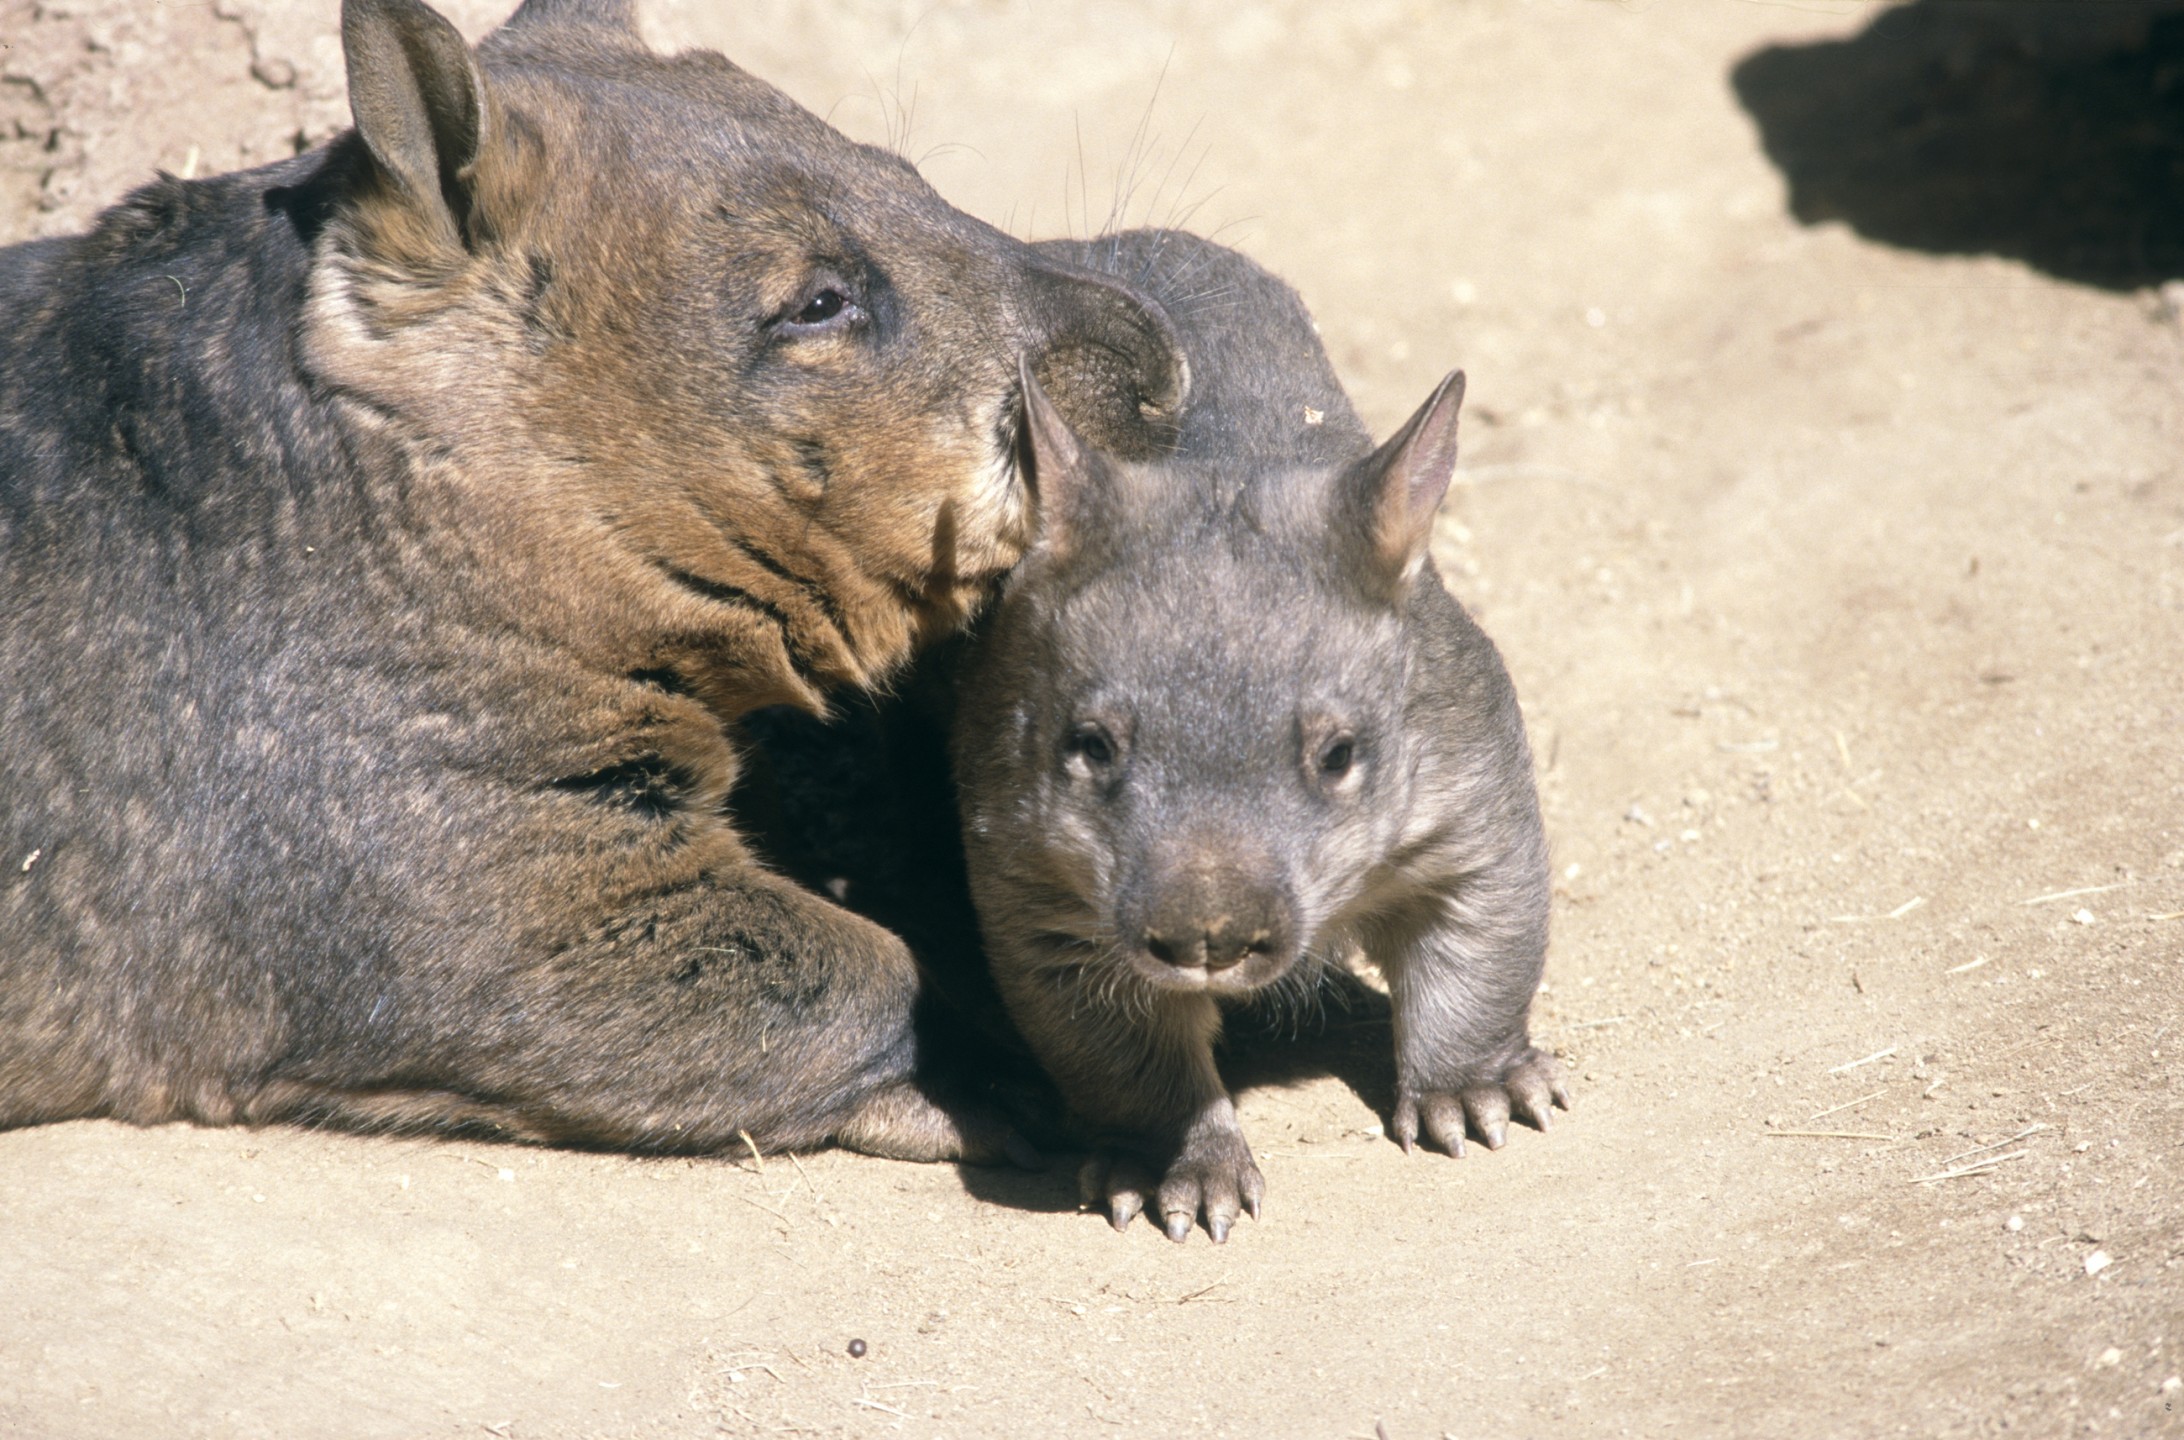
[(1844, 584)]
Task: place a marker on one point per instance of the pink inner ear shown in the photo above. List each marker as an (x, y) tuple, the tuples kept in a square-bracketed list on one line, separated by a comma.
[(1417, 474)]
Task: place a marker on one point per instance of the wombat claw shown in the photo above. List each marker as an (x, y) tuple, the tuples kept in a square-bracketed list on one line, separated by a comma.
[(1222, 1187), (1532, 1088)]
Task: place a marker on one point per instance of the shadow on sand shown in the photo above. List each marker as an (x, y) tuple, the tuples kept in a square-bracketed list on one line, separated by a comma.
[(2051, 133)]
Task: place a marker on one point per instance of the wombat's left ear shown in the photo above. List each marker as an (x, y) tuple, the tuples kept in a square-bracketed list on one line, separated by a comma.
[(419, 102), (1396, 491), (1066, 474)]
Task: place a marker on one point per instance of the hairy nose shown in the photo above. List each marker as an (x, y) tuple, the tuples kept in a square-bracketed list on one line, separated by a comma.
[(1215, 916)]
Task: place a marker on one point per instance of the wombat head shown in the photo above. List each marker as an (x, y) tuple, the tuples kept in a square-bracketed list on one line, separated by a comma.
[(692, 321), (1182, 742)]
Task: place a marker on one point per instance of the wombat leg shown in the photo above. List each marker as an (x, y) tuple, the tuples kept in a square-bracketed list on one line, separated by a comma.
[(731, 1008), (398, 1111), (902, 1122), (1140, 1068), (1213, 1174), (1463, 987)]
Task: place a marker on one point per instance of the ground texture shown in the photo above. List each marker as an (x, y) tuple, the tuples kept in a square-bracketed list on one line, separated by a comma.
[(1836, 542)]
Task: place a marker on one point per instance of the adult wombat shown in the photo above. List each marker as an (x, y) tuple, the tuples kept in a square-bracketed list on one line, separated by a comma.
[(1225, 723), (387, 536)]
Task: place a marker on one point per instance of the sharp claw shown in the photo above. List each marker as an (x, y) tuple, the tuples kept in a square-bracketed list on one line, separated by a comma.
[(1121, 1211), (1497, 1135), (1217, 1226), (1409, 1143), (1251, 1206), (1179, 1226)]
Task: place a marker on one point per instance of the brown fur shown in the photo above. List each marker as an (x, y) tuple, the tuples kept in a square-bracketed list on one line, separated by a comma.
[(385, 601)]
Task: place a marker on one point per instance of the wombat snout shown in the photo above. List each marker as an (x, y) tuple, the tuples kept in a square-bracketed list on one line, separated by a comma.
[(1205, 916)]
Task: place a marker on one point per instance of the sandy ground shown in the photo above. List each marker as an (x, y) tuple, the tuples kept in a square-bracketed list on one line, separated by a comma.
[(1844, 582)]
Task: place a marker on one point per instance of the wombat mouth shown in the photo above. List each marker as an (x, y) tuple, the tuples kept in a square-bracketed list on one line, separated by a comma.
[(1229, 980)]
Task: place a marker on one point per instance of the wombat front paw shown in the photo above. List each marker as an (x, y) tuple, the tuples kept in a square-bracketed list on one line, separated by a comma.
[(902, 1122), (1532, 1086), (1216, 1178)]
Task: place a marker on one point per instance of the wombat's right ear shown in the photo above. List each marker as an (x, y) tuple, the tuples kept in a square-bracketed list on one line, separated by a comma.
[(1394, 493), (419, 103), (1064, 470)]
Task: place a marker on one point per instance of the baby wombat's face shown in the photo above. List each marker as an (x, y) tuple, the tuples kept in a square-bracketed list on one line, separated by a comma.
[(1205, 757), (1181, 742)]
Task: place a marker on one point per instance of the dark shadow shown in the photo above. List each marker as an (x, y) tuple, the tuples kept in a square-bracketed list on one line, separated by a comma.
[(2051, 133), (1345, 1030), (862, 807)]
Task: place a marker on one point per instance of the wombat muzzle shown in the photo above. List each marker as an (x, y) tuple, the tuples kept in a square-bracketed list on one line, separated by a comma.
[(1212, 916)]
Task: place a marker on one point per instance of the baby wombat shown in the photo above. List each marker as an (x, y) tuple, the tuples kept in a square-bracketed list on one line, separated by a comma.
[(1224, 725)]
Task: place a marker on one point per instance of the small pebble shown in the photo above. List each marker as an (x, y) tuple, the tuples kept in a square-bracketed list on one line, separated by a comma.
[(2110, 1356), (856, 1349), (2098, 1261), (2014, 1224), (2173, 1384), (2083, 917)]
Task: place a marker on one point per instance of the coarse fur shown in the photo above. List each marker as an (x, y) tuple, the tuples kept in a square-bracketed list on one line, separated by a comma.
[(1225, 723), (391, 536)]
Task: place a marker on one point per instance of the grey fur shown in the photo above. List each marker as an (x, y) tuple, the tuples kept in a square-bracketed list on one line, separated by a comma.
[(1146, 744)]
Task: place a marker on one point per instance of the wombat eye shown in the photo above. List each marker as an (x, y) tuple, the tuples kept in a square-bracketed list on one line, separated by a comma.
[(821, 308), (1094, 745), (827, 309), (1337, 757)]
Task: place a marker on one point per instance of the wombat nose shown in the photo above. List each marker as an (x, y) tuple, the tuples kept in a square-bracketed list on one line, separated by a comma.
[(1205, 911), (1216, 943)]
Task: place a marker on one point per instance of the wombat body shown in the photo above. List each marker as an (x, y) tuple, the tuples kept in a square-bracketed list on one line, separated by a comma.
[(1224, 724), (390, 536)]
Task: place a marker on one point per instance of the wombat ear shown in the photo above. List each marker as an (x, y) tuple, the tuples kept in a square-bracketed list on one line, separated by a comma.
[(1063, 468), (616, 15), (1399, 487), (1109, 357), (419, 103)]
